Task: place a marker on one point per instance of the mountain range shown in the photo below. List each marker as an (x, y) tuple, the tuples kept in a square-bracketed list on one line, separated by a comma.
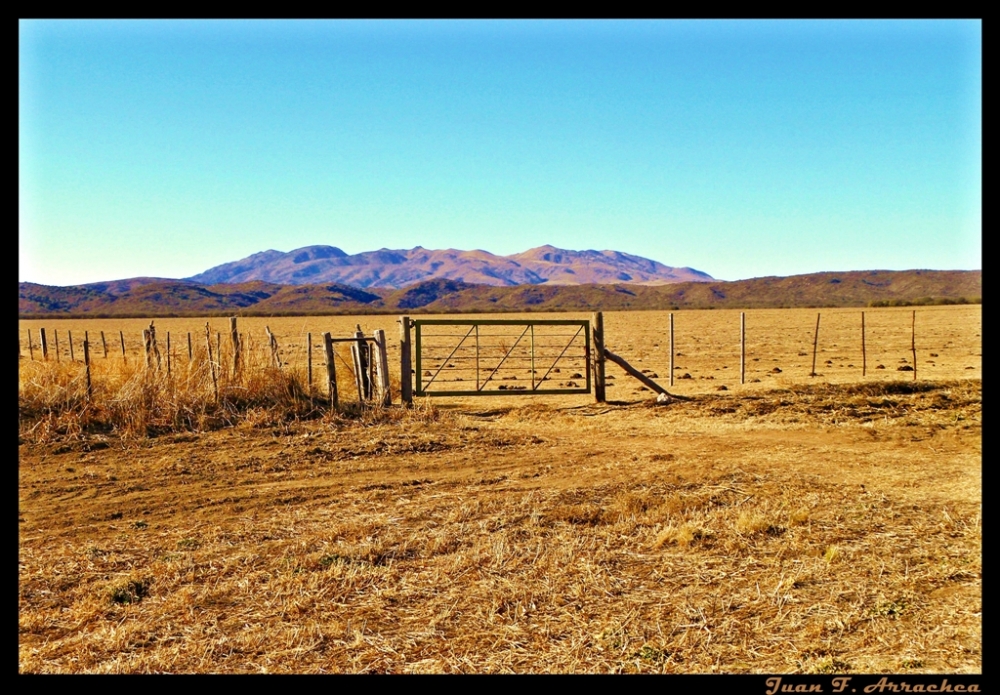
[(147, 297), (396, 269)]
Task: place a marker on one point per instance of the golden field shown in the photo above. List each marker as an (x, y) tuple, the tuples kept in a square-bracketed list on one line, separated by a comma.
[(794, 524)]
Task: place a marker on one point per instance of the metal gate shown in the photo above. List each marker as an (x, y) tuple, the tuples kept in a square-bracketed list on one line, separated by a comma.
[(457, 357)]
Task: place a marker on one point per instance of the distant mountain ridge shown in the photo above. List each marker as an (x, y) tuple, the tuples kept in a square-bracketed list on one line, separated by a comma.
[(400, 268), (158, 297)]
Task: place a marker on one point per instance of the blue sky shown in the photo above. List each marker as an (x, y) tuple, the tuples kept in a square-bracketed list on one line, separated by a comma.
[(740, 148)]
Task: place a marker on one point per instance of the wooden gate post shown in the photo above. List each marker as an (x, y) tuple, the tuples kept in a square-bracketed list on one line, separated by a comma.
[(405, 368), (597, 327), (381, 359), (331, 369), (359, 351)]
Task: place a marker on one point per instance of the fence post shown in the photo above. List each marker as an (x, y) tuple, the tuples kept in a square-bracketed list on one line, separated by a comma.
[(156, 348), (815, 343), (168, 353), (671, 348), (69, 337), (405, 368), (234, 334), (147, 343), (273, 342), (381, 359), (598, 343), (86, 361), (913, 343), (359, 351), (309, 362), (190, 351), (45, 345), (31, 348), (864, 356), (331, 369), (743, 346), (121, 334), (55, 339), (211, 364), (104, 344)]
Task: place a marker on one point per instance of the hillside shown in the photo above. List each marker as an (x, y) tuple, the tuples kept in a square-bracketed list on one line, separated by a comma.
[(152, 297)]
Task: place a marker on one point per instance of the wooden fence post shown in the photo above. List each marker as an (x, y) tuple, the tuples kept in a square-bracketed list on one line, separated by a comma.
[(273, 342), (31, 348), (156, 348), (104, 344), (864, 356), (147, 343), (86, 361), (597, 329), (359, 351), (405, 368), (309, 362), (743, 346), (55, 339), (671, 348), (235, 336), (913, 343), (815, 343), (45, 345), (121, 334), (381, 359), (211, 364), (168, 353), (331, 370), (69, 337), (218, 350)]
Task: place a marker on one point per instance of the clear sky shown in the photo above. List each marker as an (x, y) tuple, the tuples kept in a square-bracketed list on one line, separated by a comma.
[(740, 148)]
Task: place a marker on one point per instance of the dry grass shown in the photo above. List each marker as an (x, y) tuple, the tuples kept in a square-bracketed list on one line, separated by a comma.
[(787, 529)]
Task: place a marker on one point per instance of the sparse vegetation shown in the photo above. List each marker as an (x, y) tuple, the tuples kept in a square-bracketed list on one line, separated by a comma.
[(795, 525)]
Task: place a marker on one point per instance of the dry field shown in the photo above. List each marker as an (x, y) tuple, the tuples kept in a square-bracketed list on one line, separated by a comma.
[(794, 524)]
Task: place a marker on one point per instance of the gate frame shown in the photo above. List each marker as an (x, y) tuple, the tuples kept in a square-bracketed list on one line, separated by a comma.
[(418, 389)]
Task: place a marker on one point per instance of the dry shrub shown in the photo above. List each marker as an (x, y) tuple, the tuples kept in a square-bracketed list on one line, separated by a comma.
[(133, 400), (683, 535), (752, 523)]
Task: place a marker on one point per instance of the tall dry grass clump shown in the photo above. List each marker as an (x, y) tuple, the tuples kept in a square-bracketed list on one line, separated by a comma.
[(133, 398)]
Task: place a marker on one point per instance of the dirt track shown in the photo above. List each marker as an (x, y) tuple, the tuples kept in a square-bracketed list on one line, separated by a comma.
[(811, 530)]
